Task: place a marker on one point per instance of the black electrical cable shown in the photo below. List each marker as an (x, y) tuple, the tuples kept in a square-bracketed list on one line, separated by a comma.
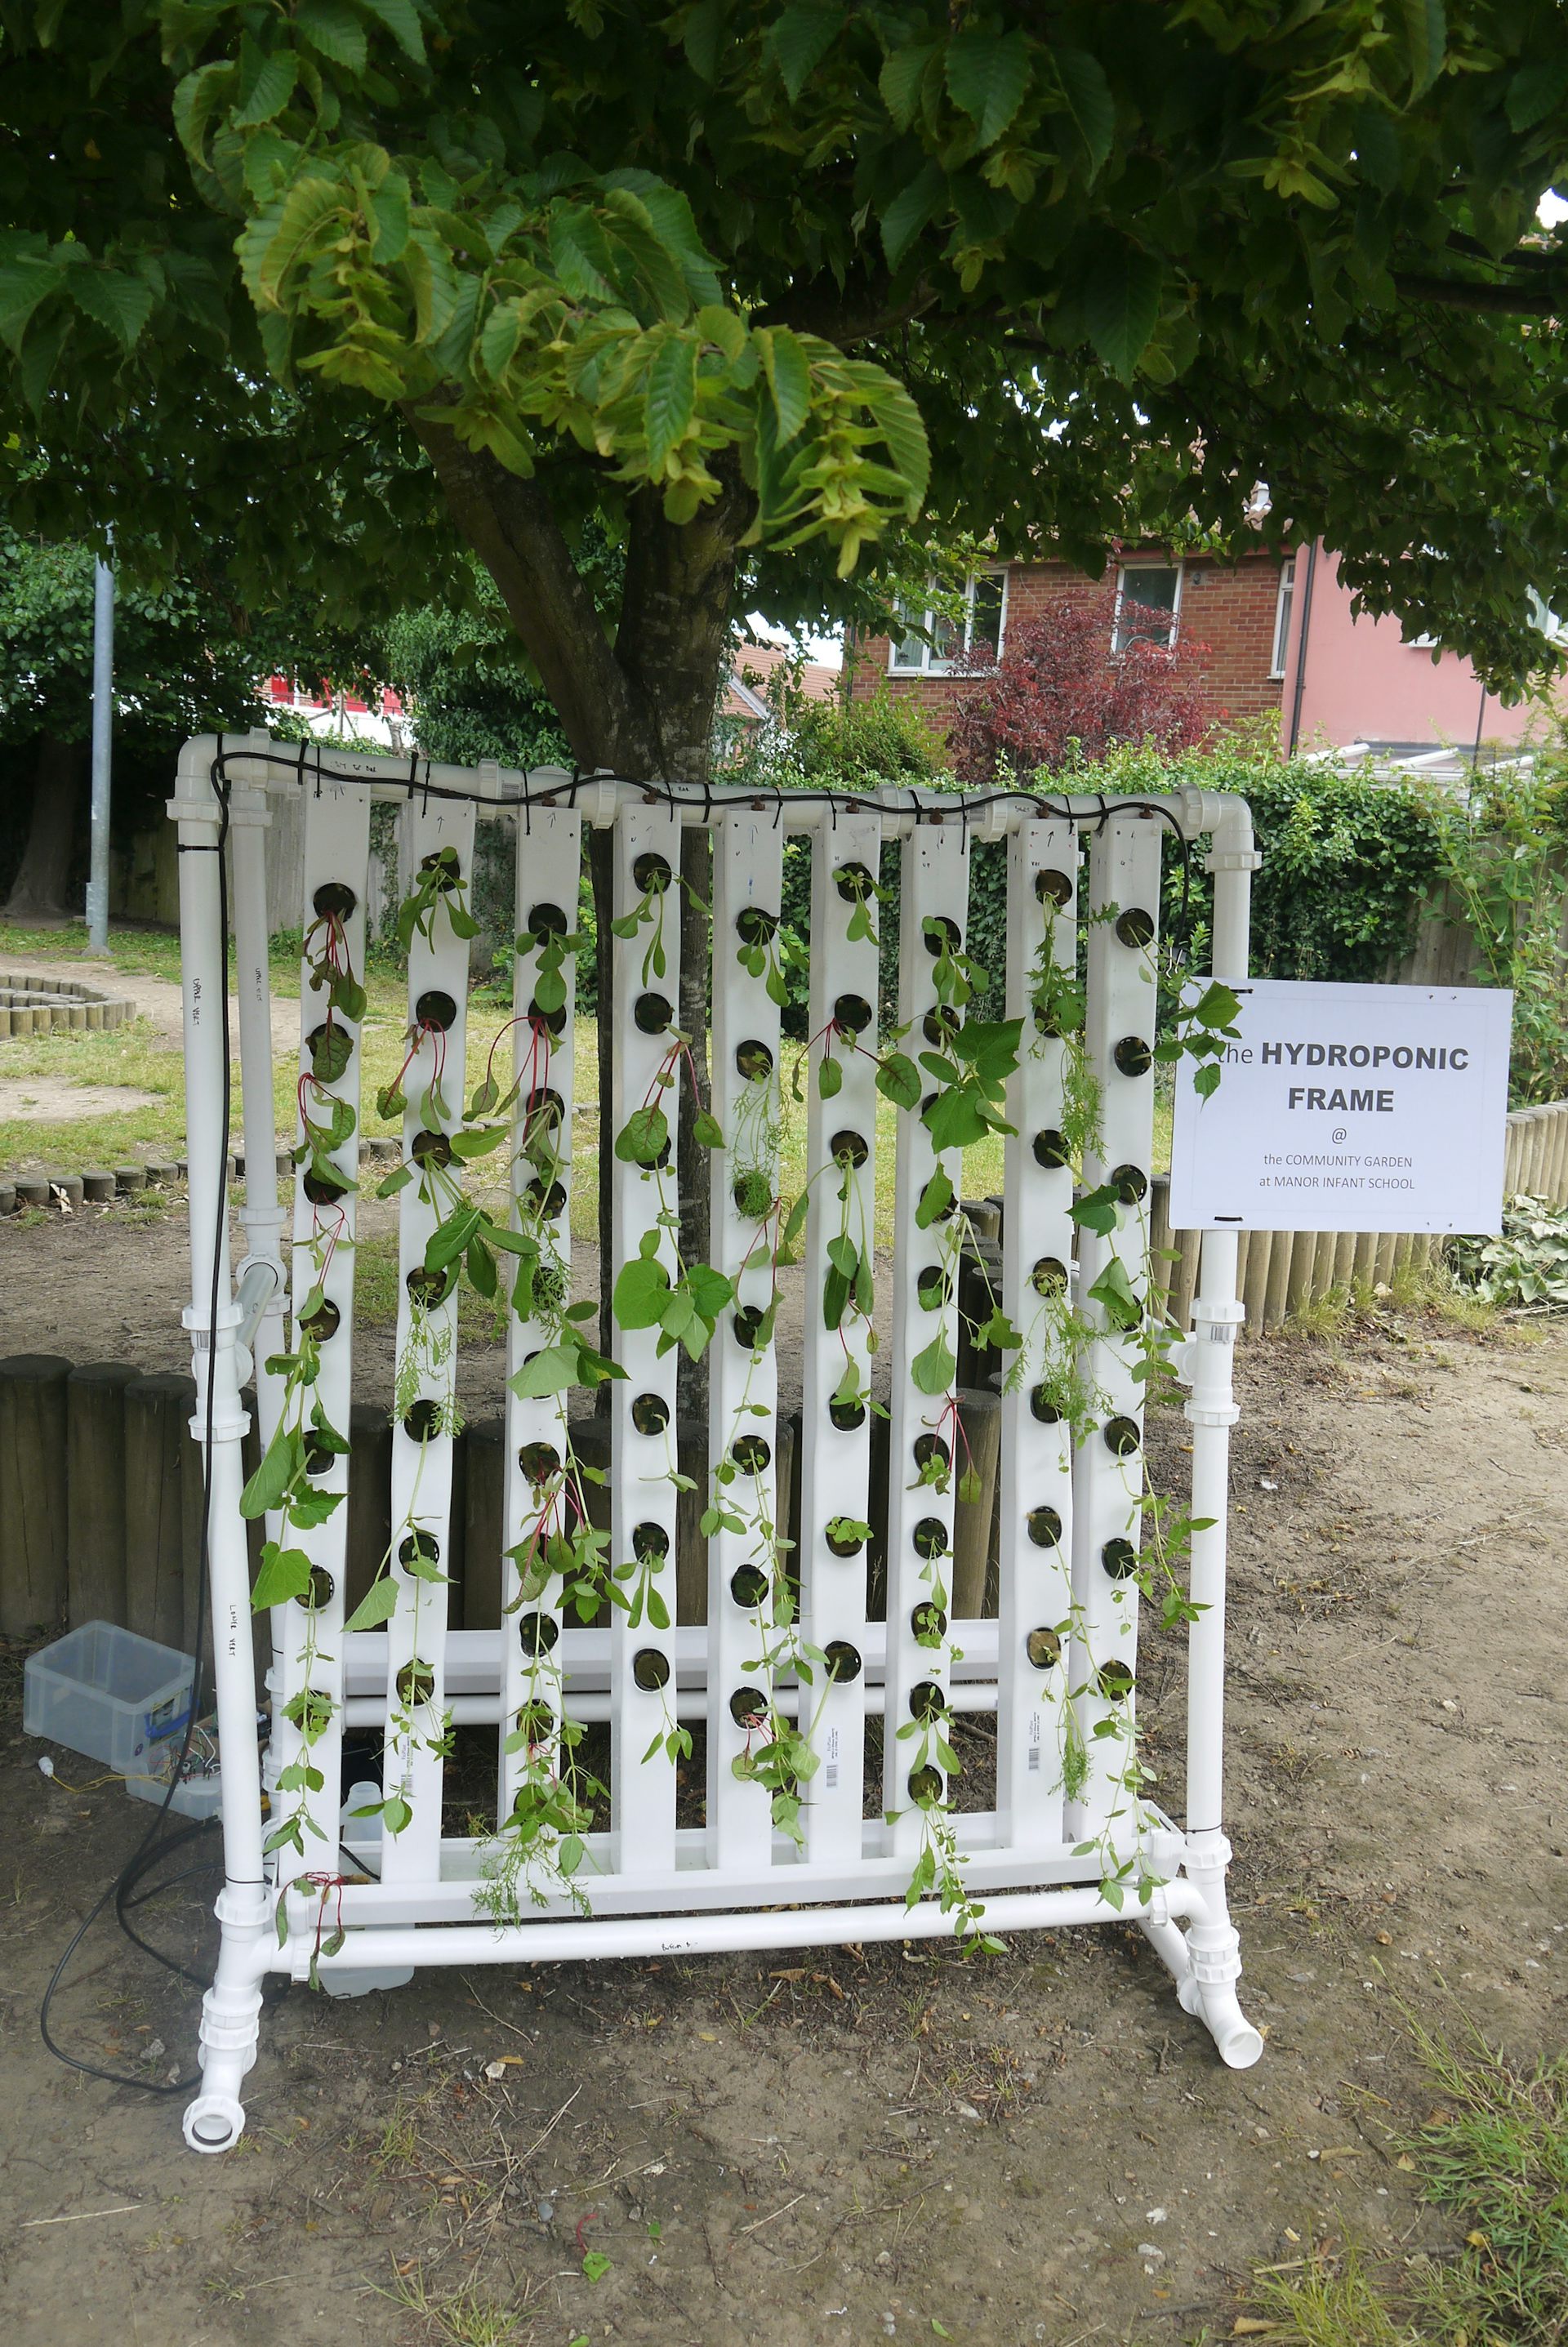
[(149, 1849)]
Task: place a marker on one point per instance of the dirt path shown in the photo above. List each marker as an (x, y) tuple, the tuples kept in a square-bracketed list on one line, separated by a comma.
[(1043, 2148)]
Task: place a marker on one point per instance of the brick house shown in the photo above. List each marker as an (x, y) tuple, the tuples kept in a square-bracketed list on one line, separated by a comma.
[(1280, 638)]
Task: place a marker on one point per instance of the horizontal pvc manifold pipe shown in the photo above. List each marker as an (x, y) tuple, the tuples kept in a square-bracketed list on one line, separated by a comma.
[(388, 1947)]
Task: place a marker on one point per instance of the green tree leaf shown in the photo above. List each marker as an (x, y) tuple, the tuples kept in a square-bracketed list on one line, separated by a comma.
[(987, 75), (789, 379), (123, 304), (401, 20), (902, 220), (802, 38), (1121, 304), (1089, 101), (671, 399), (903, 71), (332, 27)]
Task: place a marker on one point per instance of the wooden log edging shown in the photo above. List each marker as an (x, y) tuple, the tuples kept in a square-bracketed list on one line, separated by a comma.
[(31, 1005)]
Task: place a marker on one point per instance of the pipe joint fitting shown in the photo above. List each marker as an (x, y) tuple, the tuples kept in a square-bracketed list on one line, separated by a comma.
[(243, 1907), (1210, 1413), (1233, 859), (1216, 1313), (1207, 1854)]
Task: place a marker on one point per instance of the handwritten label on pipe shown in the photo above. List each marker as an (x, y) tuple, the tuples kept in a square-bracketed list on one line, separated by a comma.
[(1347, 1108)]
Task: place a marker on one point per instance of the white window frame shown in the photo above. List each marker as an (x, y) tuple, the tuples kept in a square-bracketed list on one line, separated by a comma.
[(930, 661), (1284, 612), (1180, 567)]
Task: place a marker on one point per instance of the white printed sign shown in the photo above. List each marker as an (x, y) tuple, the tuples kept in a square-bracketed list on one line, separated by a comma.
[(1349, 1108)]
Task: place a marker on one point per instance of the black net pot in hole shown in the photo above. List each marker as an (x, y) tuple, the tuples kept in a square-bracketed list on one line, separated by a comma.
[(650, 1413), (747, 1323), (554, 1021), (1049, 1020), (748, 1586), (1049, 1276), (430, 1148), (650, 873), (753, 1196), (930, 1446), (1135, 926), (323, 1189), (852, 1013), (1044, 1527), (443, 860), (318, 1594), (748, 1707), (848, 1148), (538, 1462), (843, 1661), (1053, 887), (547, 921), (924, 1784), (650, 1669), (648, 1540), (536, 1721), (436, 1010), (324, 1321), (419, 1548), (1120, 1559), (430, 1289), (847, 1415), (931, 1537), (931, 1288), (1131, 1184), (941, 930), (1043, 1648), (1050, 1150), (854, 883), (940, 1025), (929, 1622), (927, 1702), (650, 1014), (537, 1632), (319, 1451), (335, 900), (546, 1199), (423, 1419), (1114, 1681), (750, 1453), (753, 1060), (756, 928), (844, 1536), (1121, 1436), (416, 1683), (944, 1212), (1042, 1409), (331, 1048), (1133, 1056), (543, 1107)]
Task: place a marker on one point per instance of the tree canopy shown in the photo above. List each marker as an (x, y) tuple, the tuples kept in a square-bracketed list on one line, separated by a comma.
[(785, 296)]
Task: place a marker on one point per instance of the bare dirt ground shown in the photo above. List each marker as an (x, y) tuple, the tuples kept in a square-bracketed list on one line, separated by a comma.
[(829, 2147)]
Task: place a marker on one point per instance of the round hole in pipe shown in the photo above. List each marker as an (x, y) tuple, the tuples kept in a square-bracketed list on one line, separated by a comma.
[(927, 1702), (931, 1288), (1053, 887), (538, 1462), (844, 1536), (323, 1189), (1114, 1681), (428, 1288), (929, 1447), (319, 1589), (924, 1786), (650, 1669), (753, 1195), (847, 1148), (537, 1632), (756, 928), (423, 1419), (843, 1661), (1121, 1436), (437, 1011), (648, 1540), (1120, 1559), (940, 1026), (546, 1199), (419, 1548), (1043, 1408), (1131, 1184), (747, 1323), (753, 1060), (1044, 1526), (650, 873), (931, 1537), (847, 1415), (335, 900), (928, 1622), (430, 1148), (941, 930), (1049, 1276), (1043, 1648), (1050, 1150), (546, 921), (1133, 1056), (751, 1453), (1135, 926), (748, 1707), (324, 1321), (855, 883), (748, 1586), (852, 1013), (943, 1213), (331, 1048), (416, 1683), (650, 1014), (650, 1413)]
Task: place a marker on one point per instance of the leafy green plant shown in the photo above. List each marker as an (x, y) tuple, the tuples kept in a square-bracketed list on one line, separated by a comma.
[(1526, 1268)]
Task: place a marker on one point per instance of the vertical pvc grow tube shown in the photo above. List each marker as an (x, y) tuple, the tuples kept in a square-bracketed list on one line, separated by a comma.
[(542, 1495), (651, 1072), (835, 1418), (1108, 1471), (440, 838), (934, 890), (1035, 1517), (747, 1580)]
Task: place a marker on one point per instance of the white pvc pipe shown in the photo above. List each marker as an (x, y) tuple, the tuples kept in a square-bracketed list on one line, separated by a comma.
[(102, 756), (388, 1947), (593, 1705), (231, 2006)]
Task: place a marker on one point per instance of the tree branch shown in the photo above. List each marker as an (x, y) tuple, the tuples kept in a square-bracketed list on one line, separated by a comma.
[(1471, 293)]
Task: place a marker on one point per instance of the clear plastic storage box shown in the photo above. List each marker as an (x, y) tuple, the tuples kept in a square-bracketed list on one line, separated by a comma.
[(107, 1694)]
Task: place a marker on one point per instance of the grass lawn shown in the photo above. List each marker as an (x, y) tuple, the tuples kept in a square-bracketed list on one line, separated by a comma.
[(135, 1055)]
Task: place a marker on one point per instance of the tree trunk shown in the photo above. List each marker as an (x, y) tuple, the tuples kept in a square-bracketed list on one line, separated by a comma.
[(42, 889)]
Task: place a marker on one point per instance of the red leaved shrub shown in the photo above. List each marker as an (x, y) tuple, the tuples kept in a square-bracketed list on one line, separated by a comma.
[(1059, 681)]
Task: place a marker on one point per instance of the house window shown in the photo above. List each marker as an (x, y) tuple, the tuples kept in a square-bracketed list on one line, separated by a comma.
[(1148, 604), (978, 632), (1282, 612)]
